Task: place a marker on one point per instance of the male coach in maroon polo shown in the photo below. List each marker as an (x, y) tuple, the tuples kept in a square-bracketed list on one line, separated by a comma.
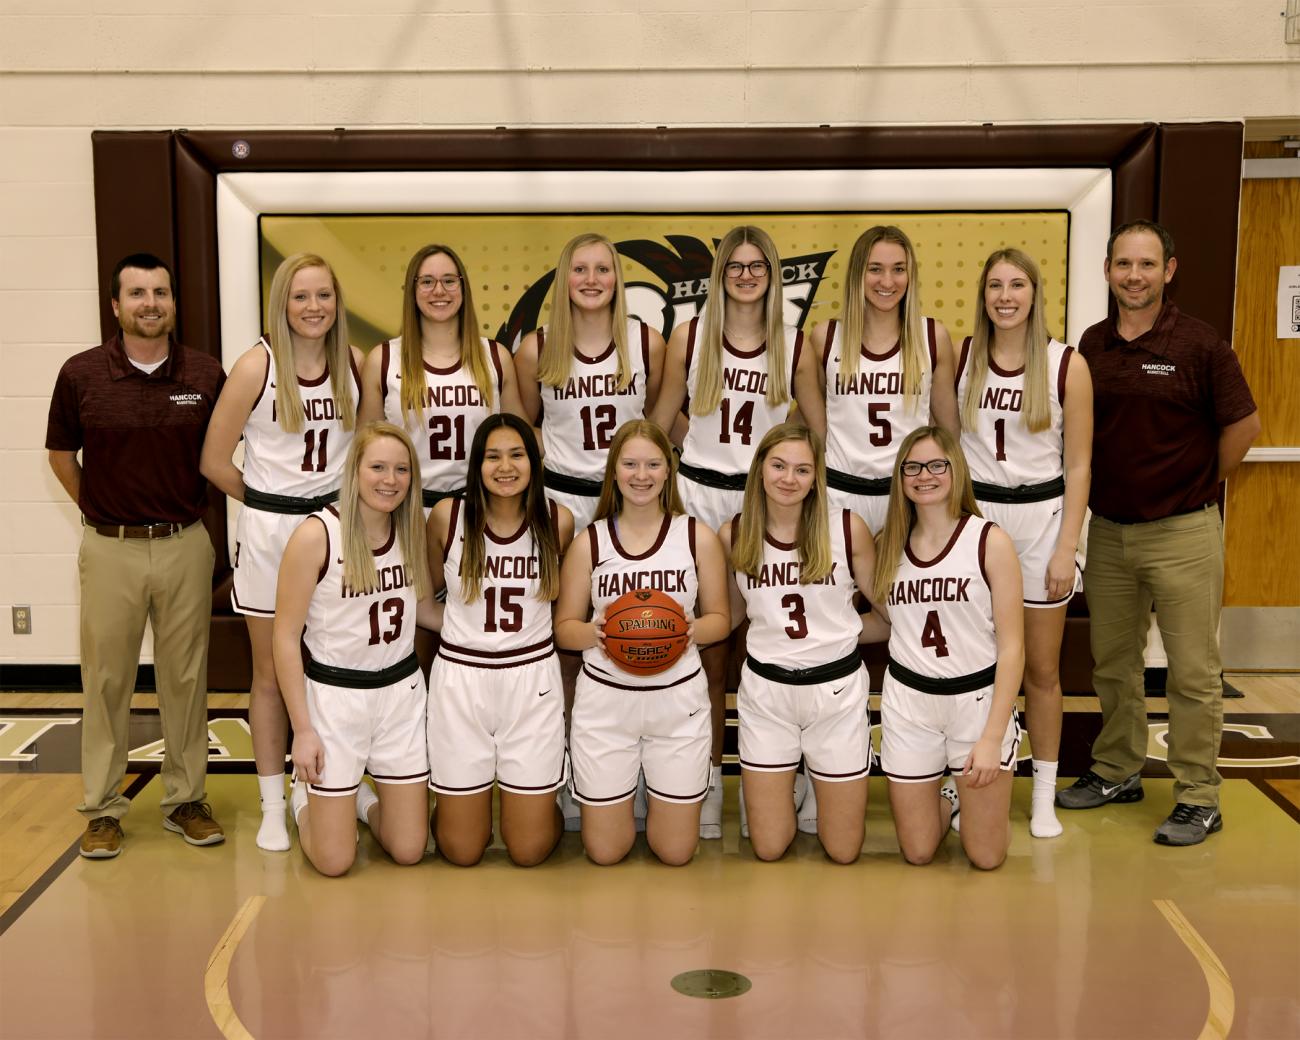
[(137, 408), (1173, 417)]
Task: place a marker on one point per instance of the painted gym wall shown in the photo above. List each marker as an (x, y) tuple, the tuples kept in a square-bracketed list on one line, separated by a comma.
[(70, 66)]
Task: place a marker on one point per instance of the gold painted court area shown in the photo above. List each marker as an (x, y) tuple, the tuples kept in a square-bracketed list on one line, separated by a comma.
[(1099, 933)]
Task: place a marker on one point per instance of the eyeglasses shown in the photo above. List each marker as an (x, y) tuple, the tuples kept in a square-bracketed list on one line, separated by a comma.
[(756, 268), (449, 282), (935, 466)]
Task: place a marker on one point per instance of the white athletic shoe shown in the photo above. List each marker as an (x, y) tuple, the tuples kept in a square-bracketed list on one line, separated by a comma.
[(948, 790), (711, 810), (805, 802)]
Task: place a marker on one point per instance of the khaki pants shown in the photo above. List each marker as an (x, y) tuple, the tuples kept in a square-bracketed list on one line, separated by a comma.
[(1177, 564), (124, 582)]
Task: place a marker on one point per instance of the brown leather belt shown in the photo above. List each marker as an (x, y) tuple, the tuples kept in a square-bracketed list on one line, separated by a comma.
[(150, 531)]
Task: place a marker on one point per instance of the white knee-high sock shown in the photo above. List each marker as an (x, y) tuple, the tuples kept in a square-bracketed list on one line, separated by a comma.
[(1042, 815)]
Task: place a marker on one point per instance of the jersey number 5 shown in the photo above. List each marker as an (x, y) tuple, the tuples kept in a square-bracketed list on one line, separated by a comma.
[(932, 635), (394, 608)]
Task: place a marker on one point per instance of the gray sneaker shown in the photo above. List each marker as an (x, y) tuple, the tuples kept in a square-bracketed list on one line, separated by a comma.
[(1091, 790), (1189, 825)]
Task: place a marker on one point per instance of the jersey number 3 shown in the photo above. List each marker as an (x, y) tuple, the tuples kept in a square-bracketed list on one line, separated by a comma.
[(798, 627)]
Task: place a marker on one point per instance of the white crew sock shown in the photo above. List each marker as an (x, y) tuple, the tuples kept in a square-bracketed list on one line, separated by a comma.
[(273, 833), (1042, 804), (366, 797), (948, 792), (298, 798), (711, 809)]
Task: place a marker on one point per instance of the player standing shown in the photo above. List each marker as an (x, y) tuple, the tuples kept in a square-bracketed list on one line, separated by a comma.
[(292, 397), (622, 722), (1026, 412), (496, 712), (950, 583), (730, 370), (883, 371)]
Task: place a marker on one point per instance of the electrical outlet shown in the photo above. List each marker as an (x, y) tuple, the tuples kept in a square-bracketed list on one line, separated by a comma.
[(22, 621)]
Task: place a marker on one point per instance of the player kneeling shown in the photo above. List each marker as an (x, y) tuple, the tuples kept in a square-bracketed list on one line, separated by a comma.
[(496, 711), (353, 584), (623, 721), (950, 582), (803, 688)]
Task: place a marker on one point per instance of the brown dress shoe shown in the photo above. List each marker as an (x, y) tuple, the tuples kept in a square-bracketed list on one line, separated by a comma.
[(193, 821), (103, 838)]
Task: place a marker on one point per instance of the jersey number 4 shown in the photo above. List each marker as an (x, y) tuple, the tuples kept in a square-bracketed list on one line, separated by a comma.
[(932, 635), (394, 609)]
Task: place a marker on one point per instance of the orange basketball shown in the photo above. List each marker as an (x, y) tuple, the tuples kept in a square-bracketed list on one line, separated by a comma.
[(645, 631)]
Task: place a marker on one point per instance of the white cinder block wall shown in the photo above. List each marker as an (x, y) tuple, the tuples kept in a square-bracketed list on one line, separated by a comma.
[(70, 66)]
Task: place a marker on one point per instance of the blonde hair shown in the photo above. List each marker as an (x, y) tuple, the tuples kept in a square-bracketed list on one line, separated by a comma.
[(536, 510), (610, 502), (1036, 409), (555, 361), (813, 540), (901, 515), (359, 572), (708, 379), (338, 354), (911, 334), (472, 357)]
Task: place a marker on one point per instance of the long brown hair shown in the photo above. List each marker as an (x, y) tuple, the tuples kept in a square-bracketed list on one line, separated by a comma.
[(338, 353), (359, 571), (610, 502), (911, 334), (1036, 410), (708, 379), (901, 515), (813, 540), (555, 361), (472, 355), (536, 509)]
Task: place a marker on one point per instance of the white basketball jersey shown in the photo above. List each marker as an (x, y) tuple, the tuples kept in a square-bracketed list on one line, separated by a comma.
[(508, 624), (941, 610), (303, 464), (792, 625), (580, 417), (1000, 450), (365, 631), (868, 417), (452, 410), (724, 440), (668, 565)]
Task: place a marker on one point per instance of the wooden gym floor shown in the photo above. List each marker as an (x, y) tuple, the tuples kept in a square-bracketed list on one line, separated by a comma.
[(1098, 933)]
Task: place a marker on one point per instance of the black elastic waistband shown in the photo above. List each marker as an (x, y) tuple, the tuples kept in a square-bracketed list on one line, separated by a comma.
[(820, 673), (857, 485), (1024, 493), (358, 679), (269, 503), (713, 479), (571, 485), (944, 687), (432, 498)]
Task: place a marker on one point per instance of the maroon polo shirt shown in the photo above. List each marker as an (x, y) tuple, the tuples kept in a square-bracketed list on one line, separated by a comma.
[(1159, 404), (140, 435)]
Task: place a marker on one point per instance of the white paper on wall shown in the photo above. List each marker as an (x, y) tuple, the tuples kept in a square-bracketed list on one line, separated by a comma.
[(1288, 303)]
